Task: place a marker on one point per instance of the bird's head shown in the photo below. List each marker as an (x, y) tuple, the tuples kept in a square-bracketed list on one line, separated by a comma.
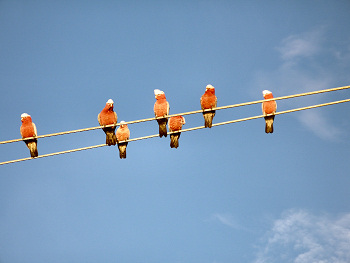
[(210, 88), (25, 116), (267, 94), (159, 94), (110, 103), (123, 124)]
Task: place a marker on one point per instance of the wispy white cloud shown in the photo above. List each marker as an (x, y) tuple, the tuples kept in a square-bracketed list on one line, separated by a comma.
[(305, 66), (303, 45), (301, 237), (342, 51), (297, 71), (320, 125)]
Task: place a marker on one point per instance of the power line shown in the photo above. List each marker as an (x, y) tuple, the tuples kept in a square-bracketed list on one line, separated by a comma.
[(184, 130), (184, 113)]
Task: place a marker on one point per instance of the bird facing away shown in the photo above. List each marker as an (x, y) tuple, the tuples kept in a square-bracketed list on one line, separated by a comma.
[(175, 124), (123, 134), (269, 107), (107, 117), (161, 110), (208, 101), (28, 130)]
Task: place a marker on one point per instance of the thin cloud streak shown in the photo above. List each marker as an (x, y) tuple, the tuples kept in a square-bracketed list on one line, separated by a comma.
[(226, 220)]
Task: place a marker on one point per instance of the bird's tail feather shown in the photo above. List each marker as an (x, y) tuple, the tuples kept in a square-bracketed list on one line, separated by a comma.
[(162, 127), (269, 123), (122, 150), (111, 138), (208, 118), (174, 140), (32, 146)]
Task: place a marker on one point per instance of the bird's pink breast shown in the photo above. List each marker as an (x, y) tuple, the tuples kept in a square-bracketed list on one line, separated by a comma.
[(175, 123), (208, 101), (160, 108), (269, 107), (27, 130), (107, 118), (123, 134)]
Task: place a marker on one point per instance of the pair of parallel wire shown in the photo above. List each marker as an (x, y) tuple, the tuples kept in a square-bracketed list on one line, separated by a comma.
[(184, 130)]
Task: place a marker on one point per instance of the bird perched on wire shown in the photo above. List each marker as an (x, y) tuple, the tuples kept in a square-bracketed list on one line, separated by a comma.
[(269, 107), (28, 130), (161, 110), (123, 134), (108, 117), (208, 101), (175, 124)]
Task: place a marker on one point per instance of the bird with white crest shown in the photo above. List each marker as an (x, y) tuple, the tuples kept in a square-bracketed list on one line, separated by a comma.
[(269, 108), (28, 130), (208, 102), (108, 117), (122, 134), (161, 110), (175, 124)]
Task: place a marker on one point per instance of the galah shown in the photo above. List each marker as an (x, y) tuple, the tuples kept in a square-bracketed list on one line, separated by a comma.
[(175, 124), (161, 110), (107, 117), (208, 101), (123, 134), (269, 107), (28, 130)]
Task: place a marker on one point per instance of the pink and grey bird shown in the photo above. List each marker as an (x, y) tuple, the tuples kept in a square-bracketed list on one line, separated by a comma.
[(28, 130), (269, 107), (123, 134), (108, 117), (208, 101), (161, 110), (175, 124)]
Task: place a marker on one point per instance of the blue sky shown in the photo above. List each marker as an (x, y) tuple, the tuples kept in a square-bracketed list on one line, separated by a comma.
[(227, 194)]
